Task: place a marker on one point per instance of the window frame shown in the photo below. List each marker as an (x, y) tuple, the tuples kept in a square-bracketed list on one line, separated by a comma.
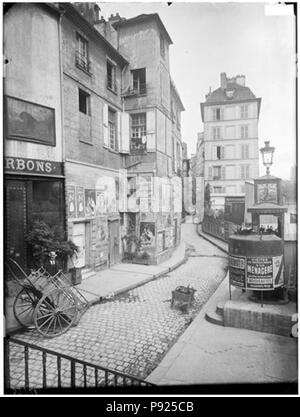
[(111, 80), (82, 59), (141, 87), (88, 101), (112, 128), (136, 132)]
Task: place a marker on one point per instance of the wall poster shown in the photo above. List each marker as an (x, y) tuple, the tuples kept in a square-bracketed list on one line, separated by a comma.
[(80, 202), (90, 203), (71, 201)]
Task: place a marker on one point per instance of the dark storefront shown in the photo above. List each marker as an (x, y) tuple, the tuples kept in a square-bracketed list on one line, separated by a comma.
[(33, 191)]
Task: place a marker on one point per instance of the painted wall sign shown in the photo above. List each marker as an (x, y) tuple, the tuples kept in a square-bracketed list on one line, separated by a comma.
[(13, 165), (71, 201), (29, 121), (80, 202), (90, 203)]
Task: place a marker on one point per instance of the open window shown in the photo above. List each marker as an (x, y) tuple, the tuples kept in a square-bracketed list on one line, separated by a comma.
[(111, 71), (139, 81)]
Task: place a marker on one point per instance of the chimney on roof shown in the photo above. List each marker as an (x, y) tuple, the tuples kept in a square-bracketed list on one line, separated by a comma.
[(223, 80), (241, 79), (113, 19)]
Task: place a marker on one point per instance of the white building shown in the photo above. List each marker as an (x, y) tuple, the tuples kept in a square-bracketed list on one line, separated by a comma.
[(230, 115)]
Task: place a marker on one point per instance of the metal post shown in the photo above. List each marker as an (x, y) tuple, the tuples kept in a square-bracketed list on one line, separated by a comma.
[(262, 298)]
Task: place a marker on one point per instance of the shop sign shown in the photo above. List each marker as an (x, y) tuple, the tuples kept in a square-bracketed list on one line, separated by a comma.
[(13, 165)]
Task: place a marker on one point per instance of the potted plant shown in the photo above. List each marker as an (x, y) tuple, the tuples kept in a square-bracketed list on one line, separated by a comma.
[(48, 247)]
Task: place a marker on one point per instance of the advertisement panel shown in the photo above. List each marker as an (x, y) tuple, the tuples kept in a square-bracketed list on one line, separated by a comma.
[(237, 271), (260, 273)]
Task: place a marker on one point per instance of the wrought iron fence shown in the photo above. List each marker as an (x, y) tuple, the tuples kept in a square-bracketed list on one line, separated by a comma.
[(219, 228), (29, 367)]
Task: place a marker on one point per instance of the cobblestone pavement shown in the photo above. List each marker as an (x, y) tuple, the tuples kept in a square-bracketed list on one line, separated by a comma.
[(132, 332)]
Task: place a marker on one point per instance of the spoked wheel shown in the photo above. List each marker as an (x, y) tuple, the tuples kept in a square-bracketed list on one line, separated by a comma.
[(55, 313), (24, 306)]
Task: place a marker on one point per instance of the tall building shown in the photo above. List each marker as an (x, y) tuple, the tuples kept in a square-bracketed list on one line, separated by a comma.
[(92, 132), (231, 155)]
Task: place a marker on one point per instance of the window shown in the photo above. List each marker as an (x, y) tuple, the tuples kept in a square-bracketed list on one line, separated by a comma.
[(138, 142), (216, 133), (216, 173), (84, 102), (111, 76), (112, 131), (244, 131), (82, 59), (220, 152), (162, 46), (217, 113), (245, 172), (139, 80), (245, 151), (293, 218), (244, 112), (217, 190)]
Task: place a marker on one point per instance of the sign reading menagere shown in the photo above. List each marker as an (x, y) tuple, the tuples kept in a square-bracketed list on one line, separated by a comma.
[(13, 165)]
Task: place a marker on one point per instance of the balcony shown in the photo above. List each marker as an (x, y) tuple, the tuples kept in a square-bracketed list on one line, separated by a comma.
[(140, 90)]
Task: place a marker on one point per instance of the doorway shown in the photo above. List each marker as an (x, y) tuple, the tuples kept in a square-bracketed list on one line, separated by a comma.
[(113, 239)]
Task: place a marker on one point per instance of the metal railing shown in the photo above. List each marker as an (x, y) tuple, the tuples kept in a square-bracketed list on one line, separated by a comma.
[(68, 372), (221, 229), (82, 61)]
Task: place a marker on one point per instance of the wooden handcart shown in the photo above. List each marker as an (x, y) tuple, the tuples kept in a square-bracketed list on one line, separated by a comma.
[(50, 302)]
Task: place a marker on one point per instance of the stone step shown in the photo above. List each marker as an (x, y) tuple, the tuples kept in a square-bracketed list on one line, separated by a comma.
[(213, 317), (87, 273), (220, 308)]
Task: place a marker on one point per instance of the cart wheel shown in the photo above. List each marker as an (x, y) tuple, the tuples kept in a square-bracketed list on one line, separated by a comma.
[(55, 313), (24, 305)]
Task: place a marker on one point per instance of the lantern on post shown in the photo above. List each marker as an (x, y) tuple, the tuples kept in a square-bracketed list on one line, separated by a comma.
[(267, 155)]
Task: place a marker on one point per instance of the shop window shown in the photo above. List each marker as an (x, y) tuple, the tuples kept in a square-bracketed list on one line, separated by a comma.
[(138, 143), (111, 76), (139, 81), (84, 102)]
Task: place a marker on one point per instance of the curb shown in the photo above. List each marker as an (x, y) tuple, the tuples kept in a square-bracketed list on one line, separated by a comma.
[(212, 242), (100, 299)]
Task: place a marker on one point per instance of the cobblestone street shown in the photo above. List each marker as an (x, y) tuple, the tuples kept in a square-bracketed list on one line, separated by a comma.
[(132, 332)]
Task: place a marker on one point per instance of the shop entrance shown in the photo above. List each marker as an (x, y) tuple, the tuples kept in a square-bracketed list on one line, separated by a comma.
[(27, 200)]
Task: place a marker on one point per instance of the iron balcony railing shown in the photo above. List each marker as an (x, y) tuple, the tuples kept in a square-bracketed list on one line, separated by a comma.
[(82, 61), (66, 371)]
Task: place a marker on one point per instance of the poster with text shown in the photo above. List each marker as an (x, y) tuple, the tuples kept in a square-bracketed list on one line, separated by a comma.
[(71, 201), (80, 202)]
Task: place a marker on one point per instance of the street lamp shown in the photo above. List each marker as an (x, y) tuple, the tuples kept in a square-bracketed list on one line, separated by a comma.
[(267, 154)]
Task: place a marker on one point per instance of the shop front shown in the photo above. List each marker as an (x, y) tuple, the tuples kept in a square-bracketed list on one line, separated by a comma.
[(33, 191)]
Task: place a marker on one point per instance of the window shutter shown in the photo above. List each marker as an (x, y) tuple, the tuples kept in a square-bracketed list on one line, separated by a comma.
[(210, 173), (119, 130), (223, 173), (150, 125), (222, 152), (105, 124), (125, 133)]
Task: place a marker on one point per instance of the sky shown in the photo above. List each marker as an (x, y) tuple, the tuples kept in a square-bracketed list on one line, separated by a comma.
[(236, 38)]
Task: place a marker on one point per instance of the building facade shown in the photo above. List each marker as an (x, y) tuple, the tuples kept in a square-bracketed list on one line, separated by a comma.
[(33, 150), (230, 115)]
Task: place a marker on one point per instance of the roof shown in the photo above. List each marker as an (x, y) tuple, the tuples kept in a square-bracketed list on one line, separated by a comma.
[(176, 94), (142, 18), (240, 93)]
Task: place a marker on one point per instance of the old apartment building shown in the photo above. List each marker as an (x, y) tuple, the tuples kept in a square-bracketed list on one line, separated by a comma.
[(106, 114), (230, 116)]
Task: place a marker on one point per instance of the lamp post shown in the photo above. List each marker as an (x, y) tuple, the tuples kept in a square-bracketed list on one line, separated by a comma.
[(267, 155)]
